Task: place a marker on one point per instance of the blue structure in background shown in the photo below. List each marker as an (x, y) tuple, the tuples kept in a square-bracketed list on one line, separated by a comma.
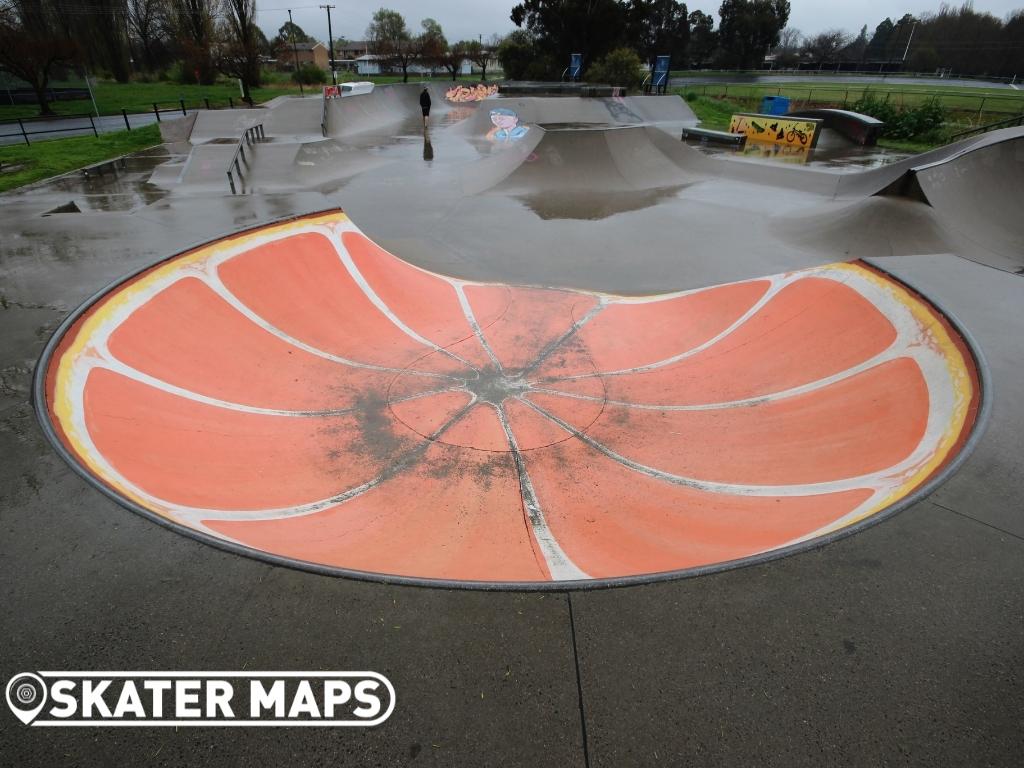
[(662, 65), (575, 66), (774, 105)]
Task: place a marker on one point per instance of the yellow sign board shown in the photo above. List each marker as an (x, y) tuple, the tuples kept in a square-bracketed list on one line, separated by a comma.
[(788, 131)]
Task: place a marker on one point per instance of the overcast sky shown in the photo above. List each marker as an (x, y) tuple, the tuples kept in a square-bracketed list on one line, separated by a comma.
[(465, 19)]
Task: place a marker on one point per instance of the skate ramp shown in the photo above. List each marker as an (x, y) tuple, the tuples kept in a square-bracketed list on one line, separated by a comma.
[(317, 402), (668, 112), (382, 108), (978, 197)]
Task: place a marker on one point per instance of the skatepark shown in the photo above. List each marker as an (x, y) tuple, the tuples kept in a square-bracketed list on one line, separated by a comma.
[(604, 448)]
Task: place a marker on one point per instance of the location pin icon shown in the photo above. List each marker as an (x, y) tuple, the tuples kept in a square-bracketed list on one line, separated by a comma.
[(26, 695)]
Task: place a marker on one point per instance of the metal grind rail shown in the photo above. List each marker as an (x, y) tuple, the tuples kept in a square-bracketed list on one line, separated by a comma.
[(250, 136)]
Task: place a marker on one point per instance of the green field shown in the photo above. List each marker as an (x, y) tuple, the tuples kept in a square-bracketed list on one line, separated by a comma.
[(112, 97), (20, 165), (977, 105)]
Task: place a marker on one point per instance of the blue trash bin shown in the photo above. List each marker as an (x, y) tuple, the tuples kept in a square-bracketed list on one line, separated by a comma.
[(774, 105)]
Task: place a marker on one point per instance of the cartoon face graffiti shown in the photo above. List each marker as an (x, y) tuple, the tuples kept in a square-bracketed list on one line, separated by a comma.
[(506, 125)]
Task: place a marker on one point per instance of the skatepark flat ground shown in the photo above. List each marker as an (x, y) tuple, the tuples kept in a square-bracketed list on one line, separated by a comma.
[(900, 645)]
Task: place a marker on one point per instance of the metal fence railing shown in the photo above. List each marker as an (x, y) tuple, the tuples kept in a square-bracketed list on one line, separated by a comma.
[(182, 106), (25, 127)]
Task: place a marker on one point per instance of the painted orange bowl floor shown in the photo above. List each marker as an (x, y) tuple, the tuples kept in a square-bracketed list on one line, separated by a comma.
[(300, 392)]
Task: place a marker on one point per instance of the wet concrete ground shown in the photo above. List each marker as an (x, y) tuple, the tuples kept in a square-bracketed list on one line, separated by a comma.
[(901, 645)]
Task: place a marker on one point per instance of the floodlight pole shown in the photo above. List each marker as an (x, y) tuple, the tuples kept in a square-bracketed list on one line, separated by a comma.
[(330, 41), (909, 39), (295, 52)]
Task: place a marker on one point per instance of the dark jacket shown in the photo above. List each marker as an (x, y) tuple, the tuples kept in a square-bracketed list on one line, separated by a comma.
[(425, 99)]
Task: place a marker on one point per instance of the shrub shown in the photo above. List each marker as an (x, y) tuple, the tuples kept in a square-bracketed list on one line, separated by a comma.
[(923, 122), (516, 53), (622, 67), (309, 74)]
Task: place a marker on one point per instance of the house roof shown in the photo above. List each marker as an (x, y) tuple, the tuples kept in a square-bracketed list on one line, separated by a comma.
[(306, 46)]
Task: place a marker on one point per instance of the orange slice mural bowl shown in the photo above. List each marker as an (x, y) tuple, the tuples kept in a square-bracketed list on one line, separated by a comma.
[(296, 393)]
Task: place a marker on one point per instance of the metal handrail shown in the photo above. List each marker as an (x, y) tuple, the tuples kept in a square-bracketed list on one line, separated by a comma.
[(1018, 120), (251, 135), (644, 88)]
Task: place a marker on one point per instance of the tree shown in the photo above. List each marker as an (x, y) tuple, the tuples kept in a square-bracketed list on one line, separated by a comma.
[(32, 43), (703, 37), (100, 27), (900, 39), (431, 45), (657, 28), (455, 55), (825, 46), (146, 20), (879, 45), (787, 52), (516, 52), (748, 28), (289, 31), (194, 26), (389, 38), (622, 68), (857, 49), (239, 52), (563, 27), (475, 51)]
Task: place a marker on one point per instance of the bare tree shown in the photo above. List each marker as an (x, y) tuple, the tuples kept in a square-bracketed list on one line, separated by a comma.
[(238, 54), (480, 54), (454, 56), (825, 46), (389, 38), (146, 20), (787, 52), (194, 24), (32, 43)]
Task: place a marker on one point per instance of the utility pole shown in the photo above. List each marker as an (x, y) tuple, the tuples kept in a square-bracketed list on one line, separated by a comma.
[(330, 41), (295, 52)]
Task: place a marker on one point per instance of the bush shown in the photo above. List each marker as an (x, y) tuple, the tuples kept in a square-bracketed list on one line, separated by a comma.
[(517, 53), (691, 96), (923, 122), (309, 74), (622, 67)]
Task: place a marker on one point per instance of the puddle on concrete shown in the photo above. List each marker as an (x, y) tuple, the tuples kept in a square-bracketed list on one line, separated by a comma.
[(844, 157), (593, 205), (118, 185)]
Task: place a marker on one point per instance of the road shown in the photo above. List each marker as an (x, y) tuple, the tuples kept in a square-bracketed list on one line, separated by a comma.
[(62, 128)]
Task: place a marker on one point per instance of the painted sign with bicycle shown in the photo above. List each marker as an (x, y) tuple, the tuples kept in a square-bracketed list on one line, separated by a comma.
[(792, 132)]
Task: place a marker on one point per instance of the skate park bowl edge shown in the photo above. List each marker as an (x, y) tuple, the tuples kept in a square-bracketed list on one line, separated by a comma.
[(295, 393)]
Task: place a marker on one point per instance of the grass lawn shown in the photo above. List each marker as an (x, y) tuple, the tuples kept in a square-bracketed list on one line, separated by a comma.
[(51, 158), (985, 104), (112, 97)]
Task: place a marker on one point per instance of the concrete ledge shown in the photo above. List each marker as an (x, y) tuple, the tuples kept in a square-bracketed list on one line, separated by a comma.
[(177, 130), (707, 136)]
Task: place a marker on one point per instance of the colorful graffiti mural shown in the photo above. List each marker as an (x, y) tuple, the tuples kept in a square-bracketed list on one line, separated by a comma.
[(463, 93), (506, 125), (317, 399), (777, 130)]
